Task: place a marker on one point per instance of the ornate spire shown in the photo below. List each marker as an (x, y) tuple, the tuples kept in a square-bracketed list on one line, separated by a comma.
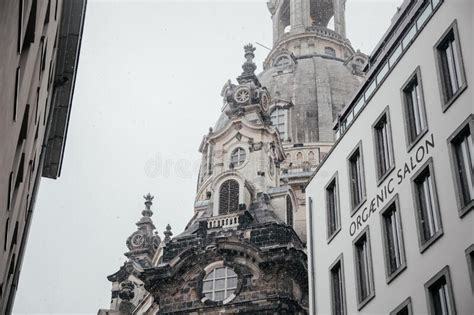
[(249, 67), (168, 233), (148, 202), (144, 240)]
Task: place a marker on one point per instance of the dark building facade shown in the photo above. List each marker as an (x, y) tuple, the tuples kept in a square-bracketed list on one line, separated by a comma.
[(39, 51)]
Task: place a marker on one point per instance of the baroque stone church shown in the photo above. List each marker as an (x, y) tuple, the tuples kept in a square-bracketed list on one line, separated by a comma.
[(243, 251)]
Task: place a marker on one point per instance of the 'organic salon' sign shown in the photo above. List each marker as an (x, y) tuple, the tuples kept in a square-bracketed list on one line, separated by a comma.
[(388, 189)]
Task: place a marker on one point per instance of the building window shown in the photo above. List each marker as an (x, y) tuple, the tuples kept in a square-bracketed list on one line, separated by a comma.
[(219, 284), (426, 205), (289, 211), (405, 308), (414, 109), (299, 157), (392, 237), (330, 51), (338, 288), (470, 264), (383, 145), (356, 178), (450, 66), (440, 294), (462, 160), (238, 156), (332, 208), (279, 120), (17, 94), (363, 267), (229, 197)]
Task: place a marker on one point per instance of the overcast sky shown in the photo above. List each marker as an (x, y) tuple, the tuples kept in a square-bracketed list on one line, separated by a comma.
[(147, 90)]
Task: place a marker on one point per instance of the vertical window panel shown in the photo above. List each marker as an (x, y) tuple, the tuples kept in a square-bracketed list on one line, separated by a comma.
[(363, 267)]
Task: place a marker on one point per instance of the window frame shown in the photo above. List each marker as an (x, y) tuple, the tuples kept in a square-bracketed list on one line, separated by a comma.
[(285, 133), (390, 276), (289, 211), (339, 260), (446, 103), (227, 210), (334, 181), (412, 142), (355, 208), (470, 264), (241, 163), (467, 123), (371, 295), (382, 177), (213, 289), (428, 287), (407, 303), (425, 244)]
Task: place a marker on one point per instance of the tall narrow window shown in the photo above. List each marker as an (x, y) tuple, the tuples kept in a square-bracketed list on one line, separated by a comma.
[(440, 294), (332, 208), (363, 267), (229, 197), (414, 109), (289, 211), (356, 178), (338, 290), (238, 156), (404, 308), (278, 118), (383, 145), (462, 153), (426, 205), (450, 65), (17, 94), (392, 238), (470, 264)]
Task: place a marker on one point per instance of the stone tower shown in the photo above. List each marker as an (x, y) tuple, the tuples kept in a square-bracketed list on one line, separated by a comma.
[(311, 73)]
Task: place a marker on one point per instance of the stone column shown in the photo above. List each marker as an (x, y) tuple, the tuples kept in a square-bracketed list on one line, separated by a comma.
[(340, 17), (299, 15)]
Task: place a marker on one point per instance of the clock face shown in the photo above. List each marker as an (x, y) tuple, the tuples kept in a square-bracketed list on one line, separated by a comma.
[(138, 240), (242, 95)]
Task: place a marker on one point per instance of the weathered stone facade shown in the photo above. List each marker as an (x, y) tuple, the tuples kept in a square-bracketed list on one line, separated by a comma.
[(243, 251)]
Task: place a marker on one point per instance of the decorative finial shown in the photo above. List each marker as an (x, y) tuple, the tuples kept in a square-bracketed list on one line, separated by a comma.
[(168, 233), (249, 66), (148, 202)]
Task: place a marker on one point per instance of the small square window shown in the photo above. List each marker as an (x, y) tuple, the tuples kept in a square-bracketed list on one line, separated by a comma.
[(383, 145), (356, 178), (392, 237), (363, 266), (405, 308), (450, 66), (439, 293), (426, 206), (333, 216), (462, 162), (414, 109), (338, 287)]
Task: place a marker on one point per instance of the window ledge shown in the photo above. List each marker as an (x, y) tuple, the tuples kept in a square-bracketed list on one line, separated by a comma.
[(468, 207), (447, 104), (431, 241)]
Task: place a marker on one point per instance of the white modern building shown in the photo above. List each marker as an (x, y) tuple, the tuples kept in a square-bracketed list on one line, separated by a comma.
[(390, 209)]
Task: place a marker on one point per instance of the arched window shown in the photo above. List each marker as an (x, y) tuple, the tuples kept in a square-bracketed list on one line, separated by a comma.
[(330, 51), (278, 117), (299, 156), (229, 196), (311, 156), (238, 156), (288, 157), (289, 211)]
